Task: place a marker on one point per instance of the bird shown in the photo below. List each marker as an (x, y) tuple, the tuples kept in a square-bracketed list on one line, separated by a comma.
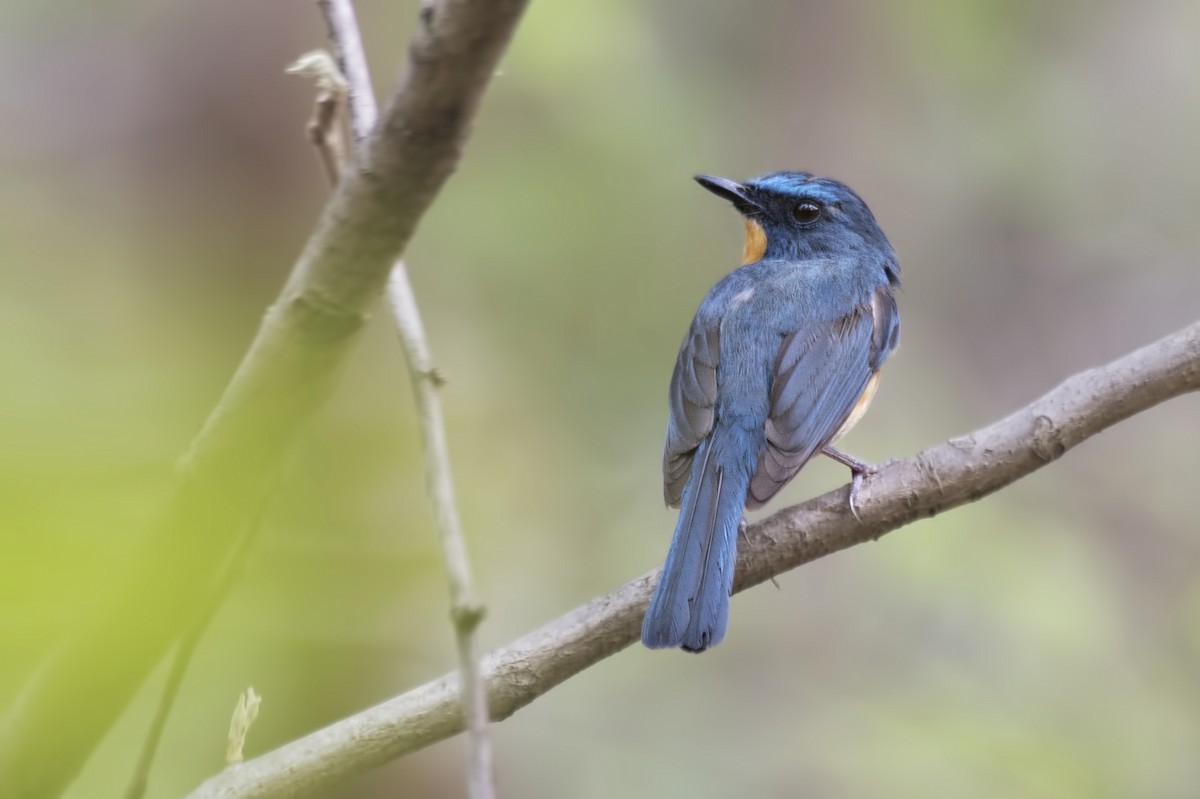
[(782, 358)]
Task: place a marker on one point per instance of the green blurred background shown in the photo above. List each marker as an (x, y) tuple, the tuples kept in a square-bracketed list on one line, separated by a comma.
[(1034, 165)]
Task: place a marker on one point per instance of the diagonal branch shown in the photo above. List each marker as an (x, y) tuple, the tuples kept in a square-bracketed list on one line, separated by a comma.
[(284, 379), (466, 612), (954, 473), (351, 57)]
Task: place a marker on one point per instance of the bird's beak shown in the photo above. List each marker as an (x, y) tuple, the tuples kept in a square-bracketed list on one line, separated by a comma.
[(731, 190)]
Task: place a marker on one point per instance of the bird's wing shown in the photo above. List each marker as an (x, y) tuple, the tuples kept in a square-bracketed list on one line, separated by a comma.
[(693, 398), (820, 373), (885, 319)]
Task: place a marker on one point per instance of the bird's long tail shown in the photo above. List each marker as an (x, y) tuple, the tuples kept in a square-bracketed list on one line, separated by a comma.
[(690, 607)]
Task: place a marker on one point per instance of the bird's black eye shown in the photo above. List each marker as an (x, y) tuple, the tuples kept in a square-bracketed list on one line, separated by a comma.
[(807, 212)]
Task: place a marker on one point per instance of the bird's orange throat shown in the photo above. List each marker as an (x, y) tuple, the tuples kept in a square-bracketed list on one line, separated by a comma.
[(756, 242)]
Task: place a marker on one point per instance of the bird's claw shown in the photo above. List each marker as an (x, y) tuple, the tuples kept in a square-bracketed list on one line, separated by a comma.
[(856, 480), (858, 471)]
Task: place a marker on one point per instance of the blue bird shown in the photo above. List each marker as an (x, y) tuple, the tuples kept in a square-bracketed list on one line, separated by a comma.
[(781, 359)]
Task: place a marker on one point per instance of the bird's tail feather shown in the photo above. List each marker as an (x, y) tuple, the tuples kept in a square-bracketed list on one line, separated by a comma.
[(690, 607)]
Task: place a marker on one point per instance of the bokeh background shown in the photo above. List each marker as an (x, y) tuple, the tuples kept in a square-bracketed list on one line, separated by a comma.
[(1035, 166)]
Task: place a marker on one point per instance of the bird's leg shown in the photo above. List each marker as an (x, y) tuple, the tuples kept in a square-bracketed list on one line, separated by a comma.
[(858, 470)]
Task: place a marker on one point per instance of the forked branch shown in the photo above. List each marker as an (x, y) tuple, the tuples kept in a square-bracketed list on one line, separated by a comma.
[(285, 377), (466, 612)]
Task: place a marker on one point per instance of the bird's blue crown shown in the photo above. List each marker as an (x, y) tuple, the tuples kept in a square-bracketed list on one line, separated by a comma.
[(797, 215)]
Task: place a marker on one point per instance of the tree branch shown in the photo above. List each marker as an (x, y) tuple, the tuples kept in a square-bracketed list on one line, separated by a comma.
[(466, 612), (182, 656), (284, 379), (351, 56), (954, 473)]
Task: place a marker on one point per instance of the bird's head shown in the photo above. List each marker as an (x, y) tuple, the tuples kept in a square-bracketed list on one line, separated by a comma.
[(795, 216)]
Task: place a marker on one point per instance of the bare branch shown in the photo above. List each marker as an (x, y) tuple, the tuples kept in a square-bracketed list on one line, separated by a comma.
[(182, 658), (285, 377), (959, 471), (351, 57), (466, 612)]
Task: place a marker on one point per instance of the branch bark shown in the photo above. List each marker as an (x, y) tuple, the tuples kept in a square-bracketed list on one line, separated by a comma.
[(954, 473), (466, 612), (283, 380)]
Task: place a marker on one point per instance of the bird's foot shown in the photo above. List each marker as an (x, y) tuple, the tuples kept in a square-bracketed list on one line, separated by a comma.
[(858, 471)]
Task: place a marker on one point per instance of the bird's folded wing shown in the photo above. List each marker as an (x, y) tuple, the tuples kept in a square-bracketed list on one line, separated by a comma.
[(693, 399), (820, 373)]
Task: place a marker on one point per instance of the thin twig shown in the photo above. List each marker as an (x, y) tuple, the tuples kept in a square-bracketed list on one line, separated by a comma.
[(466, 612), (351, 59), (182, 658), (78, 691), (954, 473)]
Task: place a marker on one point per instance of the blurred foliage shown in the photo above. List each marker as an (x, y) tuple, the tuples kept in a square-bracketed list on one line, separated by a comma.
[(1025, 160)]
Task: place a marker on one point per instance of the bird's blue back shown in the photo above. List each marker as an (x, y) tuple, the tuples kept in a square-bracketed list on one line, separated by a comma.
[(779, 352)]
